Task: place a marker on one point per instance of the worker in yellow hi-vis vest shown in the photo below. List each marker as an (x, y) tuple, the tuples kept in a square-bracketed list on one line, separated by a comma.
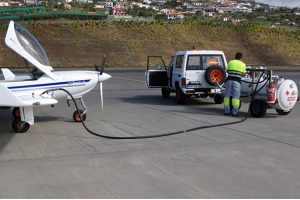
[(235, 69)]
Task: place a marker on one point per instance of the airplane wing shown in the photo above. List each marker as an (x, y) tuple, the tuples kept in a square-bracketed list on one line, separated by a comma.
[(8, 98)]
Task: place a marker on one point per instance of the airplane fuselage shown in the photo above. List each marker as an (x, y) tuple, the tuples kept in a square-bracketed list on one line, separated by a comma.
[(77, 83)]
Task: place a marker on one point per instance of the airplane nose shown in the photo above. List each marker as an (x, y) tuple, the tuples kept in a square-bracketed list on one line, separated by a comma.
[(104, 77)]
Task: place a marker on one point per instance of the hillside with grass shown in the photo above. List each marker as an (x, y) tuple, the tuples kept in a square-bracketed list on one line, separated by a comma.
[(83, 43)]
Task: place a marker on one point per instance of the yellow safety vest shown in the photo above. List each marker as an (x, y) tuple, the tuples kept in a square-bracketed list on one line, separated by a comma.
[(236, 68)]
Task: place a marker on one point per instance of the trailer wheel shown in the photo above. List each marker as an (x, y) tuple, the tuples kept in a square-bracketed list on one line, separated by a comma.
[(165, 93), (258, 108), (282, 112), (180, 98), (215, 74)]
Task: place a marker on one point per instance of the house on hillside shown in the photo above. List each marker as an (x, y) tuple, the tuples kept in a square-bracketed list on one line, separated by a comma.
[(161, 2), (236, 20), (84, 1), (99, 6), (174, 15), (117, 11), (2, 4), (29, 2), (207, 14), (14, 3), (192, 4), (109, 4), (147, 1), (122, 5)]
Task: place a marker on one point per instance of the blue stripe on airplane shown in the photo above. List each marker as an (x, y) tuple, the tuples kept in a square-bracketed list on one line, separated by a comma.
[(50, 84)]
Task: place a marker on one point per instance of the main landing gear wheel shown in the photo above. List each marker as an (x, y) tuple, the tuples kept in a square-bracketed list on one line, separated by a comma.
[(215, 74), (76, 116), (20, 126), (16, 112)]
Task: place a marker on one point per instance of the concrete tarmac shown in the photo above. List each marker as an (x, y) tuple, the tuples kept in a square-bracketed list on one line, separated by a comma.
[(58, 158)]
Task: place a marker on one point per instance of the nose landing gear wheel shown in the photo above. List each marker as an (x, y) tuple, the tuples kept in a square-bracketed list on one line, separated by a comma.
[(76, 116), (20, 126)]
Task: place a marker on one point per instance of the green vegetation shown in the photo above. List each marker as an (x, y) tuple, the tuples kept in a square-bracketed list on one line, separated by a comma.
[(83, 43)]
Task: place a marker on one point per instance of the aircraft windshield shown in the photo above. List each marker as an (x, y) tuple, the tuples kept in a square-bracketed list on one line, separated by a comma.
[(31, 45)]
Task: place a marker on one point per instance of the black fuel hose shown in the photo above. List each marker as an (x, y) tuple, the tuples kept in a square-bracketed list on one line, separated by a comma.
[(158, 135), (256, 83)]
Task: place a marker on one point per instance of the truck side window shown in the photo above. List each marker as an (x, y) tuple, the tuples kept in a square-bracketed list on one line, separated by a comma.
[(179, 61), (193, 62), (209, 61)]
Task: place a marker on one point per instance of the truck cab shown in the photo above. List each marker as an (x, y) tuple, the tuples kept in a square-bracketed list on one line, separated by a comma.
[(194, 73)]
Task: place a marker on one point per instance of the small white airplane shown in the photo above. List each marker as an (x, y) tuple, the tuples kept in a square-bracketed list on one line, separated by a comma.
[(40, 87)]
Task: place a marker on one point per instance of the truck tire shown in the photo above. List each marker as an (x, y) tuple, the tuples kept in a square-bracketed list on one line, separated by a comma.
[(215, 74), (165, 93), (258, 108), (180, 98), (218, 98)]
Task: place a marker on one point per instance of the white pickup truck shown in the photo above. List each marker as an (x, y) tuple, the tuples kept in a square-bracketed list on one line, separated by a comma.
[(189, 74)]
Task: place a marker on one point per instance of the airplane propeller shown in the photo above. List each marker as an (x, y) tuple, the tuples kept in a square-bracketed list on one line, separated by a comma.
[(101, 70)]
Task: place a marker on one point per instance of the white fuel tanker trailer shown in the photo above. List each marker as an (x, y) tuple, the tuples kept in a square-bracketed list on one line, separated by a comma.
[(263, 90)]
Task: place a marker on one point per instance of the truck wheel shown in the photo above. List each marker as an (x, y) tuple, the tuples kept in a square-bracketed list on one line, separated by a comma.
[(180, 98), (258, 108), (281, 112), (165, 93), (218, 98), (215, 74)]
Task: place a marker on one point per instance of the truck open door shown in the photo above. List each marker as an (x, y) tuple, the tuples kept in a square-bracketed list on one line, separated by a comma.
[(156, 74)]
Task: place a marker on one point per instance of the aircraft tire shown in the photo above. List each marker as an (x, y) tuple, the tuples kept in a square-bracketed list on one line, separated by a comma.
[(20, 126), (16, 112), (76, 116)]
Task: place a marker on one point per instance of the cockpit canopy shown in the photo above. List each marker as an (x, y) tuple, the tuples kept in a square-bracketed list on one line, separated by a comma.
[(24, 43), (31, 45)]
